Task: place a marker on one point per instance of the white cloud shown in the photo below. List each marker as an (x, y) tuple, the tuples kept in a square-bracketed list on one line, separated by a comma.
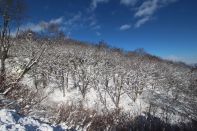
[(148, 8), (57, 21), (52, 25), (32, 26), (76, 21), (128, 2), (141, 21), (41, 26), (28, 26), (93, 23), (76, 18), (125, 27), (80, 21), (96, 27), (98, 33), (95, 3)]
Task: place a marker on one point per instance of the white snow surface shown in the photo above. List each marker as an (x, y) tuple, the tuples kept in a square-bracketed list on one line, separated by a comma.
[(11, 121)]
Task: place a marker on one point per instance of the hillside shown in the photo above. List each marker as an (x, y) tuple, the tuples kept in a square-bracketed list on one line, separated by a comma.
[(95, 87)]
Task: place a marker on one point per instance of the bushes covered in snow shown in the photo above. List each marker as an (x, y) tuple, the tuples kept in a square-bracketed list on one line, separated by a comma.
[(99, 80)]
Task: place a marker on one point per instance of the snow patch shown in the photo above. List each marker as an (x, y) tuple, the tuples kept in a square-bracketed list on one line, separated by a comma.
[(11, 121)]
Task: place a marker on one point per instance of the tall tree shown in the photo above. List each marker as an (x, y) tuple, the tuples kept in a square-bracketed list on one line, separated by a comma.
[(11, 12)]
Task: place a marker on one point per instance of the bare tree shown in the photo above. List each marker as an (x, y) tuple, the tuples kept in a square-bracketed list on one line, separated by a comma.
[(10, 11)]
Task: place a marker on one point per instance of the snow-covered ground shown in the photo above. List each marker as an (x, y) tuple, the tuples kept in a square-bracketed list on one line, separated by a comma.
[(140, 87), (11, 121)]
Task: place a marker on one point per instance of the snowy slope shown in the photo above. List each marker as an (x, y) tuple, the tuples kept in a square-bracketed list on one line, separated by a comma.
[(103, 80), (11, 121)]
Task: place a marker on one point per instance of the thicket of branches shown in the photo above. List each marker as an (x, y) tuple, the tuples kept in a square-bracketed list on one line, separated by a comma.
[(111, 72)]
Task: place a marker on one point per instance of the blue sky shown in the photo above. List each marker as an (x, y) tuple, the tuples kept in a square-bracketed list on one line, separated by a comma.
[(166, 28)]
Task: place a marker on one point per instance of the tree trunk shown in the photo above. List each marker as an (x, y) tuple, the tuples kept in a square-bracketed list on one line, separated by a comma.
[(3, 73), (67, 81), (62, 82)]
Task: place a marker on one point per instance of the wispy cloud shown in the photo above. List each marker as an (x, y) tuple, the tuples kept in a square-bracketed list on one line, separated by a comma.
[(57, 21), (52, 25), (128, 2), (95, 3), (148, 8), (142, 21), (32, 26), (98, 33), (144, 10), (125, 27), (93, 23), (76, 18), (96, 27)]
